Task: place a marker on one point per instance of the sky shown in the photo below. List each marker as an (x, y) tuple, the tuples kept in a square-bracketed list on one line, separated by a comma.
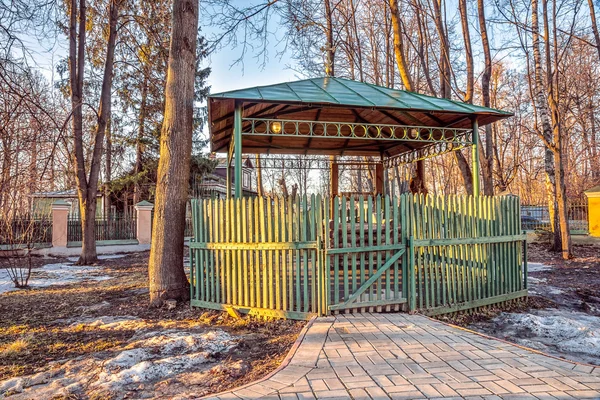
[(225, 75)]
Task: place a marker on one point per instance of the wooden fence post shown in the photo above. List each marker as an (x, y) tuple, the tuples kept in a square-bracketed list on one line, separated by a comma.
[(60, 215), (143, 228)]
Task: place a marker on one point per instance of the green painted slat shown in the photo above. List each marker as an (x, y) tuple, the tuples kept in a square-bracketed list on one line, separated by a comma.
[(298, 263), (290, 262), (352, 217), (313, 256), (305, 255), (277, 265), (264, 282), (344, 233), (369, 217), (378, 283), (336, 243), (386, 216), (361, 239)]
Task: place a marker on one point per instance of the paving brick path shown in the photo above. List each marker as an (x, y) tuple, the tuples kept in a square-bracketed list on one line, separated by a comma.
[(400, 356)]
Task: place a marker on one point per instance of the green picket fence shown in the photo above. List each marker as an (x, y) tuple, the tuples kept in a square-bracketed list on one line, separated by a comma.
[(259, 255), (466, 251), (294, 258)]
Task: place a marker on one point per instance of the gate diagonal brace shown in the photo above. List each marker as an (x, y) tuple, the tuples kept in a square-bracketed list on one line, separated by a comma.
[(370, 281)]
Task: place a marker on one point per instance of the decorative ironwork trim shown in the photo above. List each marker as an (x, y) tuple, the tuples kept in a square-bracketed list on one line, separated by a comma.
[(355, 130), (424, 153)]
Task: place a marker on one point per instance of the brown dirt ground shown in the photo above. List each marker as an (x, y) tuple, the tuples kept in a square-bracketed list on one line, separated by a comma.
[(581, 273), (31, 337)]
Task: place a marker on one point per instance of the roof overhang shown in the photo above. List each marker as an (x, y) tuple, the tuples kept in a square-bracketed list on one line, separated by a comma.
[(343, 104)]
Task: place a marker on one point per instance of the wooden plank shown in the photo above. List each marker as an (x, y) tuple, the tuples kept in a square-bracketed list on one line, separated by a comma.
[(277, 254), (367, 249), (272, 246), (256, 311), (474, 304), (374, 303), (469, 241)]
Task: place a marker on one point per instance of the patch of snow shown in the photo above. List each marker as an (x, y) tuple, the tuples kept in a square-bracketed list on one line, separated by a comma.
[(537, 267), (100, 257), (125, 322), (571, 334), (147, 359), (54, 274), (534, 280)]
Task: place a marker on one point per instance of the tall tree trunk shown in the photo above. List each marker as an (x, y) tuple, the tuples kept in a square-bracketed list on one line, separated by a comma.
[(594, 25), (330, 50), (541, 104), (87, 186), (445, 87), (562, 238), (399, 47), (139, 149), (166, 274), (108, 170), (488, 155), (462, 7)]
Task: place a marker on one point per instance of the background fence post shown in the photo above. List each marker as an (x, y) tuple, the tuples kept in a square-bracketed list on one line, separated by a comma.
[(60, 216), (143, 229)]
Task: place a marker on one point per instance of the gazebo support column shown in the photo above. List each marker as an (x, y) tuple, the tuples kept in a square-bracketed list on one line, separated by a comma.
[(237, 137), (228, 174), (379, 188), (334, 176), (475, 156)]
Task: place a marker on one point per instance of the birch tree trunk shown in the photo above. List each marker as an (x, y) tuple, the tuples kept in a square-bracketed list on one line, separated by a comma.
[(488, 159), (166, 274)]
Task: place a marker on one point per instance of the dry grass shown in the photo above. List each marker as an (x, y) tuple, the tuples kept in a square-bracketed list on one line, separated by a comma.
[(15, 348), (36, 326)]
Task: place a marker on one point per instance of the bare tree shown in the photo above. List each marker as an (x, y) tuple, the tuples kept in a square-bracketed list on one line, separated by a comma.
[(87, 171), (167, 277)]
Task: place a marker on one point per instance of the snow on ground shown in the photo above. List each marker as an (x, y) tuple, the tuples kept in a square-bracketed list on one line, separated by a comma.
[(559, 332), (54, 274), (100, 257), (563, 331), (147, 359), (537, 267)]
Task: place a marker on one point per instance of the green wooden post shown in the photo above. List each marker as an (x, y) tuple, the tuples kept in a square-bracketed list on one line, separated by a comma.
[(237, 137), (475, 155)]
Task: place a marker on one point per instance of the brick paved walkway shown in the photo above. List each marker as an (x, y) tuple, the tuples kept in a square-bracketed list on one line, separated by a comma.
[(400, 356)]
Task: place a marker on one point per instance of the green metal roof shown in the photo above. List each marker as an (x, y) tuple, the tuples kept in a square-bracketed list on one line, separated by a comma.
[(339, 91)]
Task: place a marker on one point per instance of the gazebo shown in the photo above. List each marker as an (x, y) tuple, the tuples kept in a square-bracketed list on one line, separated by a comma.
[(337, 117), (298, 257)]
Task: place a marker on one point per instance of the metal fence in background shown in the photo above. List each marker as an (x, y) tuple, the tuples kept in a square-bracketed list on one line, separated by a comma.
[(110, 227), (29, 230), (537, 217)]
